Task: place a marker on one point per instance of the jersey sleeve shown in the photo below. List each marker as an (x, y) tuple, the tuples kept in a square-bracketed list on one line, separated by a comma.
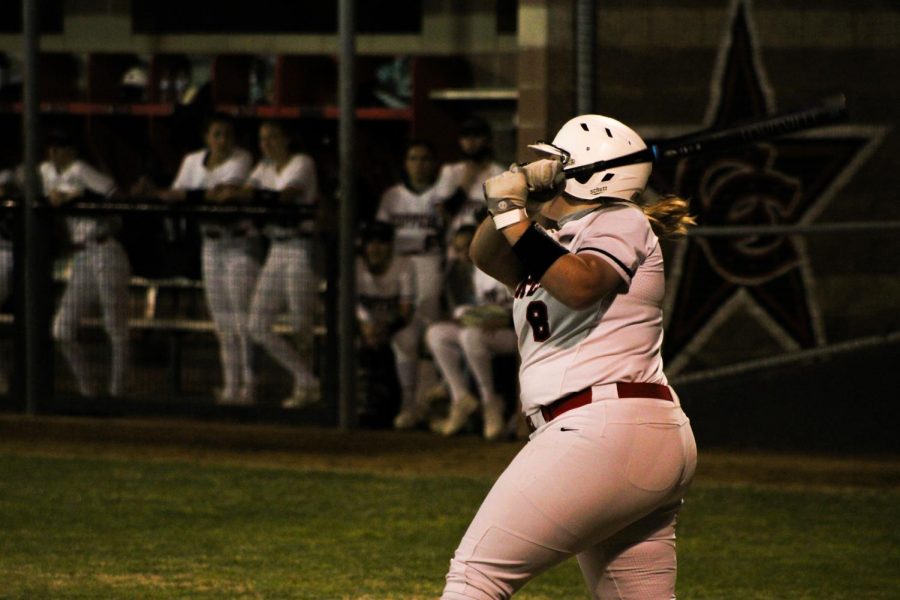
[(447, 182), (255, 179), (183, 178), (620, 235), (235, 169), (95, 181), (385, 207), (302, 176)]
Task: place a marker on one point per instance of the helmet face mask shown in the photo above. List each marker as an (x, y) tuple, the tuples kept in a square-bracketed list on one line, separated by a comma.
[(588, 139)]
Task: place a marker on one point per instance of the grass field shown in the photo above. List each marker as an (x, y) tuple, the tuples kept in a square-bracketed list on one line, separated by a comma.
[(154, 509)]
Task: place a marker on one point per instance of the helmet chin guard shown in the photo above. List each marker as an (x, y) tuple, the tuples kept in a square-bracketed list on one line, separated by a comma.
[(590, 139)]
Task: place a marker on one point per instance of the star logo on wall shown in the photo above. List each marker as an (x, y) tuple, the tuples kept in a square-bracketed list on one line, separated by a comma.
[(784, 181)]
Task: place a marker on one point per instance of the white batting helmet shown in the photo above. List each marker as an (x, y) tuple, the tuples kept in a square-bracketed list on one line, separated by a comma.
[(592, 138)]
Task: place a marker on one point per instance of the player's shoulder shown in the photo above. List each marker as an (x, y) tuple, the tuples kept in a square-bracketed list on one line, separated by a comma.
[(301, 159), (625, 215)]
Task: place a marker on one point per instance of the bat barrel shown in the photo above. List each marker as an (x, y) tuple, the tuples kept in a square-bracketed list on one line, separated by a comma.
[(829, 112)]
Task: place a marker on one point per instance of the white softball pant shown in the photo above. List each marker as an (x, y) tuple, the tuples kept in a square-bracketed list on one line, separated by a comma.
[(450, 344), (286, 281), (405, 345), (429, 286), (230, 269), (100, 274), (604, 483), (6, 270)]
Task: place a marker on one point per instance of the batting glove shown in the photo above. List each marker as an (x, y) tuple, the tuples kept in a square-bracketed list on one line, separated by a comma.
[(545, 178), (505, 195)]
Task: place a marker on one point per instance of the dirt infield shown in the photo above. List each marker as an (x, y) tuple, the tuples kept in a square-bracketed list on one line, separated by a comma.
[(389, 452)]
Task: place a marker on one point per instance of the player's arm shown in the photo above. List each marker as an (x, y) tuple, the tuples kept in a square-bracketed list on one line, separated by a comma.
[(576, 280), (492, 254)]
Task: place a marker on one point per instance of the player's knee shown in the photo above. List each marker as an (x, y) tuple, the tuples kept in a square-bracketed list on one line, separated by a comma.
[(64, 330), (471, 338), (465, 581), (257, 329), (435, 336)]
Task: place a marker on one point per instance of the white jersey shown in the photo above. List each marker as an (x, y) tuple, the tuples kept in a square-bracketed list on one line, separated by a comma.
[(451, 178), (488, 290), (618, 338), (417, 223), (194, 175), (78, 178), (298, 173), (379, 296)]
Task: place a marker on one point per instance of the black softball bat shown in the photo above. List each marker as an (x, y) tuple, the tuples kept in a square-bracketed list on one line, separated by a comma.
[(830, 110)]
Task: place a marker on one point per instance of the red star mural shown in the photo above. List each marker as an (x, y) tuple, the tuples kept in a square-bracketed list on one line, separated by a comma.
[(784, 181)]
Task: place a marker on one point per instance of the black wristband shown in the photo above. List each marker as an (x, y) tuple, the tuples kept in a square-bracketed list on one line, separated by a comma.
[(537, 251), (198, 195), (264, 196)]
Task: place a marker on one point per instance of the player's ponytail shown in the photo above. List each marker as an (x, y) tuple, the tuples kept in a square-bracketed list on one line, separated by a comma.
[(669, 216)]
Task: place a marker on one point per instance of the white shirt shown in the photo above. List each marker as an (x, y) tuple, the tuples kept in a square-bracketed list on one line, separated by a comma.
[(417, 223), (299, 173), (194, 175), (77, 178), (618, 338), (450, 179), (379, 296)]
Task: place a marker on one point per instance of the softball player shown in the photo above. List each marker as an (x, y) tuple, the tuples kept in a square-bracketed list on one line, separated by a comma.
[(412, 207), (230, 263), (462, 181), (386, 291), (100, 269), (287, 277), (476, 334), (611, 454), (7, 185)]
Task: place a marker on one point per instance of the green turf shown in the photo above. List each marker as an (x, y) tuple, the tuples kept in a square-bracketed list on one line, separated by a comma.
[(103, 528)]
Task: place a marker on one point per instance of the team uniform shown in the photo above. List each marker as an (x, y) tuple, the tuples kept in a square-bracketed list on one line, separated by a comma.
[(379, 300), (7, 222), (100, 272), (6, 245), (418, 228), (451, 179), (603, 481), (230, 266), (287, 278), (456, 346)]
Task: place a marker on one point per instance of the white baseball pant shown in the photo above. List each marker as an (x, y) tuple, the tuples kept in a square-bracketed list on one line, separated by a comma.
[(450, 343), (230, 270), (286, 281), (6, 270), (429, 286), (100, 274), (602, 482), (6, 283), (405, 345)]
